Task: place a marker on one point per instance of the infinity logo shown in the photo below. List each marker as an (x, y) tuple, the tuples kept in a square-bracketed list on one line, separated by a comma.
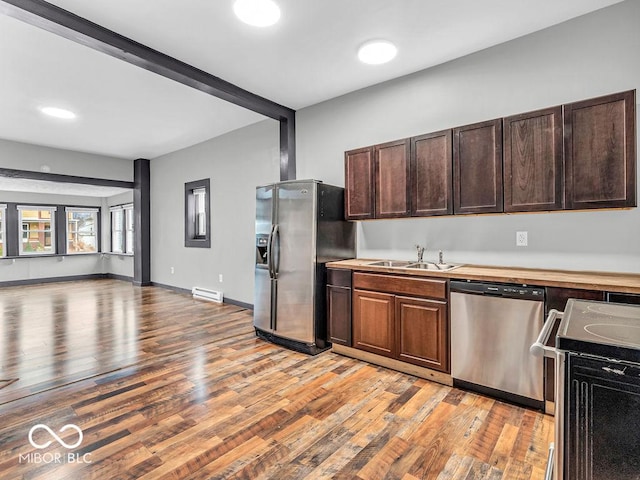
[(56, 437)]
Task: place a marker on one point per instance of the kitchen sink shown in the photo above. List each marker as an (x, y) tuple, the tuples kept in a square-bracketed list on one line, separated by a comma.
[(389, 263), (436, 267)]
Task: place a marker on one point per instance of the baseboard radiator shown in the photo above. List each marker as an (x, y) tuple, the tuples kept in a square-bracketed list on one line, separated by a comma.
[(206, 294)]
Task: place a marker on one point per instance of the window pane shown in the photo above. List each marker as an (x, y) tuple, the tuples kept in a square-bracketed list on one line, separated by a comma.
[(117, 237), (82, 231), (37, 232), (200, 213), (2, 223), (129, 238)]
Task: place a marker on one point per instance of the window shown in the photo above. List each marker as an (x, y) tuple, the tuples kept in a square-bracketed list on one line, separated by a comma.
[(122, 229), (3, 210), (197, 215), (37, 230), (128, 228), (82, 230), (200, 197)]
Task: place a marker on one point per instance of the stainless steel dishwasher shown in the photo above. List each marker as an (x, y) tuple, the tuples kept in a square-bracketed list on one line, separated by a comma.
[(492, 327)]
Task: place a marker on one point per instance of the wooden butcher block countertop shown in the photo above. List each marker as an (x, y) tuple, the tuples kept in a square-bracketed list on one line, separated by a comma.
[(605, 281)]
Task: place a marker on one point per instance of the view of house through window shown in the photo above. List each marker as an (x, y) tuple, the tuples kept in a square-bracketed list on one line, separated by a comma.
[(3, 250), (82, 230), (37, 229), (122, 229)]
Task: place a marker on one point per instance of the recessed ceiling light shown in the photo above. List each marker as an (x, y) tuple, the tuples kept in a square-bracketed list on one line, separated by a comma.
[(377, 52), (259, 13), (58, 113)]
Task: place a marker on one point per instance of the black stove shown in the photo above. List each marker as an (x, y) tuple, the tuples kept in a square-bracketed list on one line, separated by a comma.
[(610, 330), (598, 372)]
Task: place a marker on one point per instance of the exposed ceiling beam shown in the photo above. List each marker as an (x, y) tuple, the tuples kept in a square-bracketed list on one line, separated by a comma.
[(56, 177), (80, 30)]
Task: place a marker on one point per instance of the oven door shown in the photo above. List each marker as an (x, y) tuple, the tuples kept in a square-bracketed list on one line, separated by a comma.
[(555, 462)]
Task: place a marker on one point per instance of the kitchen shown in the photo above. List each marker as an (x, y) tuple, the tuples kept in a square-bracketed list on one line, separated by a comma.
[(566, 63)]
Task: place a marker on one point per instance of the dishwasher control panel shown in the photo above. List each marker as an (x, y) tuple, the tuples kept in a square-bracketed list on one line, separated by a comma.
[(510, 290)]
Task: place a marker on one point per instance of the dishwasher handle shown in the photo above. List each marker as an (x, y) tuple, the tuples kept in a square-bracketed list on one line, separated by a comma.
[(539, 347)]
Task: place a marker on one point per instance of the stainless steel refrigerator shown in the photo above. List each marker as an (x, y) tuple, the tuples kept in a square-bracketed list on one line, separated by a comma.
[(300, 227)]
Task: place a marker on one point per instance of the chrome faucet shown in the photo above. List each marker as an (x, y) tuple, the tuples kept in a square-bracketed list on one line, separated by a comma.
[(420, 253)]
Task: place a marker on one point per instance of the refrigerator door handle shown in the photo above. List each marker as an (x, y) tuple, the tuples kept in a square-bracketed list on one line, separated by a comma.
[(275, 258), (270, 253)]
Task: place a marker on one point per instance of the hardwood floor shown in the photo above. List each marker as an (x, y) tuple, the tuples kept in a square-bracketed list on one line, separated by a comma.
[(198, 396)]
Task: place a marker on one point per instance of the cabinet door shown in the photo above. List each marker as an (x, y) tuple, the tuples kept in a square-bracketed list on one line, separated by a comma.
[(392, 179), (533, 179), (359, 182), (477, 168), (339, 314), (422, 332), (600, 156), (431, 174), (373, 322)]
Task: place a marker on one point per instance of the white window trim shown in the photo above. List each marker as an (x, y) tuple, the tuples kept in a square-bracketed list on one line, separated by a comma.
[(69, 210), (53, 211), (81, 209), (3, 229), (128, 210), (126, 248)]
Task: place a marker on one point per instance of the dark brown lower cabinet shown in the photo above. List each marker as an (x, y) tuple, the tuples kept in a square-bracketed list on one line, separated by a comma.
[(373, 322), (406, 328), (421, 332), (339, 314), (339, 306)]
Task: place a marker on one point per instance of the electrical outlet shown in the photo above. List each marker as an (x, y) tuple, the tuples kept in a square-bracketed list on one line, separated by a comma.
[(220, 278), (522, 239), (173, 270)]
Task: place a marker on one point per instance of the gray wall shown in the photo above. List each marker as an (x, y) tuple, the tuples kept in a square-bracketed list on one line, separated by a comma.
[(590, 56), (235, 163), (23, 156)]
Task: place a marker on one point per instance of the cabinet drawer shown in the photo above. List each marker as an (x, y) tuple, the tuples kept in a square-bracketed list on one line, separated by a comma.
[(421, 287), (338, 277)]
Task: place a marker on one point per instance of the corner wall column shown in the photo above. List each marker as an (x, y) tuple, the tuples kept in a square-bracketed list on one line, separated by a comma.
[(142, 222), (288, 147)]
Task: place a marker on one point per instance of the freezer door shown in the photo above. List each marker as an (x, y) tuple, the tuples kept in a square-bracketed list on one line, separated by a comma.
[(295, 260), (262, 305), (262, 308), (264, 209)]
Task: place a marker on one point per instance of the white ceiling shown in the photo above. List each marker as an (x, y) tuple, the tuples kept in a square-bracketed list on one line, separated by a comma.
[(308, 57)]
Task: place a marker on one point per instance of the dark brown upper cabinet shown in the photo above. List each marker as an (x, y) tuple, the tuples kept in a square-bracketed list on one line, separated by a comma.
[(477, 168), (359, 174), (600, 155), (392, 179), (431, 174), (533, 161)]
